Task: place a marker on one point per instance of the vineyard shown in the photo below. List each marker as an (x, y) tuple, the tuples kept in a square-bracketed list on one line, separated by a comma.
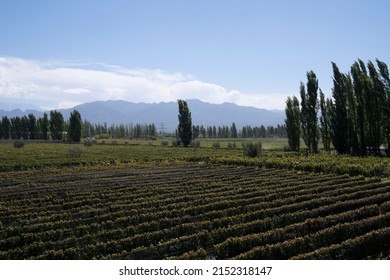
[(198, 210)]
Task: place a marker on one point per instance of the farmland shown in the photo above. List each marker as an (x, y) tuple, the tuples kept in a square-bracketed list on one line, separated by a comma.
[(147, 201)]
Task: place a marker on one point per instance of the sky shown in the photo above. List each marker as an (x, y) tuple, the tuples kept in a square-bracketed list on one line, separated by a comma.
[(57, 54)]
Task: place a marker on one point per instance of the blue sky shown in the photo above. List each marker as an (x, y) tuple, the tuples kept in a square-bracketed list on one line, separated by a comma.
[(247, 52)]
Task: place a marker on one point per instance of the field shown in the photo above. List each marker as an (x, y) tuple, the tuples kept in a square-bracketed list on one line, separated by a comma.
[(146, 201)]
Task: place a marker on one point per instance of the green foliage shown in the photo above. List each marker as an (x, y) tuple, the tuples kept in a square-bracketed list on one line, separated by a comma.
[(185, 123), (325, 121), (199, 254), (103, 136), (75, 124), (43, 124), (19, 144), (353, 249), (88, 142), (56, 125), (216, 144), (176, 143), (5, 128), (360, 110), (195, 143), (309, 111), (293, 123), (176, 211), (52, 155), (32, 127), (252, 149)]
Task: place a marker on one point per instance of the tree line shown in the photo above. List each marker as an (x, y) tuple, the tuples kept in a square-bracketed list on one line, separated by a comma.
[(186, 132), (245, 132), (53, 126), (355, 120), (119, 130), (43, 128)]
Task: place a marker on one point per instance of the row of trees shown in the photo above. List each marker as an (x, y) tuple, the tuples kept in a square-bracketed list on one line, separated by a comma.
[(56, 128), (119, 131), (44, 128), (356, 119), (186, 132), (232, 131)]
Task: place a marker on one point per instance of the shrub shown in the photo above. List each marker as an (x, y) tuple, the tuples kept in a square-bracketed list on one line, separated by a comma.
[(19, 144), (195, 144), (216, 145), (252, 149), (88, 142), (176, 143)]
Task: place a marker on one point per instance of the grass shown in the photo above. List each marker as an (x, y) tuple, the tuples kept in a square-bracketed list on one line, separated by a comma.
[(38, 155)]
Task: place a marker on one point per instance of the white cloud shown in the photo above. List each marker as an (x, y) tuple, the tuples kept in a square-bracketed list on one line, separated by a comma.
[(59, 84), (77, 91)]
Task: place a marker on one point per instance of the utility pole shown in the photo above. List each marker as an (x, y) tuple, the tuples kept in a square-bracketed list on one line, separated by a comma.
[(162, 128)]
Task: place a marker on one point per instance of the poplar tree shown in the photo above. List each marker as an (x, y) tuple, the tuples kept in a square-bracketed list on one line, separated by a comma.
[(75, 126), (326, 107), (352, 136), (185, 123), (339, 120), (359, 87), (233, 131), (385, 78), (56, 125), (32, 126), (44, 126), (6, 127), (309, 111), (293, 123), (375, 114)]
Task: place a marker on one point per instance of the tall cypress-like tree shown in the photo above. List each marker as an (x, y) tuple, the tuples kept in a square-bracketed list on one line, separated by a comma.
[(326, 107), (44, 126), (233, 131), (32, 126), (304, 115), (339, 120), (75, 126), (309, 111), (293, 123), (352, 136), (385, 78), (376, 102), (6, 127), (359, 87), (185, 123), (56, 125)]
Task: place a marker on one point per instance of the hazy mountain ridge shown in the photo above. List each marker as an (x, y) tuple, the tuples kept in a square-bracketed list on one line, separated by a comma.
[(166, 113)]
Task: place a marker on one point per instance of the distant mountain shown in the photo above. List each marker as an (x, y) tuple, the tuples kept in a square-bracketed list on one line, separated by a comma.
[(19, 113), (8, 105), (117, 112)]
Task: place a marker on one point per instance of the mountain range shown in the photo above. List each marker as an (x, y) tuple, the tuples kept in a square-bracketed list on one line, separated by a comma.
[(166, 113)]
